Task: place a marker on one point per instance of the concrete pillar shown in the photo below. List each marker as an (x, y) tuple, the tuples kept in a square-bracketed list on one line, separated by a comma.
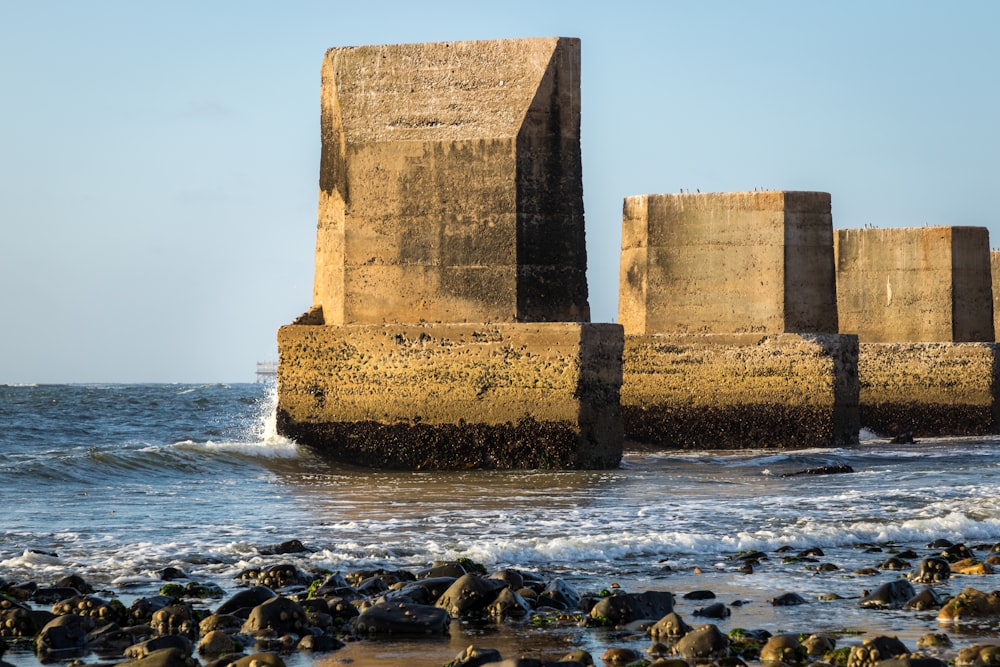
[(450, 321), (728, 301), (920, 300)]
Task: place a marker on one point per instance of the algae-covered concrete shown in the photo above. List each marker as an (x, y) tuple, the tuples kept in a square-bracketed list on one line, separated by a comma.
[(451, 185), (731, 262), (929, 389), (542, 395), (915, 284), (705, 391)]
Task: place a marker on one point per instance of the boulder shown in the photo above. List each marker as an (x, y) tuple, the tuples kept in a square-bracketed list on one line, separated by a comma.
[(469, 596), (474, 656), (508, 604), (177, 619), (559, 595), (671, 626), (215, 644), (931, 571), (784, 648), (979, 655), (63, 634), (167, 657), (890, 595), (925, 600), (150, 646), (703, 645), (275, 617), (874, 650), (627, 607), (259, 660), (245, 600), (971, 604), (399, 619)]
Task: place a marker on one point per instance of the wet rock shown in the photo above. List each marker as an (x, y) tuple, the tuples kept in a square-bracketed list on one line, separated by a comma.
[(62, 635), (818, 645), (112, 640), (260, 660), (392, 619), (970, 566), (475, 656), (245, 600), (286, 547), (787, 600), (215, 644), (171, 574), (224, 622), (176, 619), (580, 656), (874, 650), (717, 610), (512, 578), (979, 655), (619, 656), (822, 470), (75, 582), (890, 595), (277, 576), (16, 620), (560, 595), (894, 563), (275, 617), (143, 649), (438, 570), (913, 661), (931, 570), (956, 552), (319, 643), (784, 648), (703, 645), (971, 604), (940, 543), (925, 600), (508, 604), (623, 608), (934, 640), (142, 609), (469, 596), (167, 657), (671, 626), (699, 595)]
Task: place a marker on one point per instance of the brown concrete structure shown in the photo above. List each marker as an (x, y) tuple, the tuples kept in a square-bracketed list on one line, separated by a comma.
[(921, 301), (729, 306), (437, 396), (995, 274), (449, 322), (733, 262), (915, 284), (723, 391), (451, 186)]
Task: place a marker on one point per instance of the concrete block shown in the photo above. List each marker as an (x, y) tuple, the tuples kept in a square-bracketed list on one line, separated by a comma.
[(718, 391), (454, 396), (451, 184), (720, 263), (929, 389), (995, 275), (915, 284)]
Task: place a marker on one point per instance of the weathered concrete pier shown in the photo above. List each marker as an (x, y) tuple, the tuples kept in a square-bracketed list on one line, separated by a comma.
[(730, 312), (450, 321), (921, 301)]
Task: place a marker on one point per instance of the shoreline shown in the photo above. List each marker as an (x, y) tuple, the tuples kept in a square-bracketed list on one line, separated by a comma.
[(741, 591)]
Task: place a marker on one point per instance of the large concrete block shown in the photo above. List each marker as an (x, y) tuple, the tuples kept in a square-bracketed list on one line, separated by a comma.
[(742, 262), (454, 396), (451, 184), (995, 274), (915, 284), (720, 391), (929, 389)]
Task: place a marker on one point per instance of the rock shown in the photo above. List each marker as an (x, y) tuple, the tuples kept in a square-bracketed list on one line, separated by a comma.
[(508, 604), (934, 640), (703, 644), (624, 608), (956, 552), (971, 604), (286, 547), (580, 656), (893, 563), (224, 622), (319, 643), (216, 643), (970, 566), (717, 611), (142, 609), (150, 646), (787, 600), (890, 595), (619, 656), (784, 648), (76, 582), (63, 634), (17, 621), (177, 619), (95, 607), (260, 660), (393, 619), (671, 626), (275, 617), (560, 595), (451, 570), (474, 656), (246, 600), (874, 650), (931, 571), (167, 657), (979, 655), (818, 645), (699, 595), (281, 575), (54, 594), (469, 596), (171, 574), (512, 578), (925, 600)]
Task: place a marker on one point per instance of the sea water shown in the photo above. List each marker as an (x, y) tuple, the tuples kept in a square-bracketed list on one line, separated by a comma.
[(116, 482)]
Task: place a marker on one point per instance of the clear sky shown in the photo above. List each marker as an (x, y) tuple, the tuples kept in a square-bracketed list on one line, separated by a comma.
[(159, 161)]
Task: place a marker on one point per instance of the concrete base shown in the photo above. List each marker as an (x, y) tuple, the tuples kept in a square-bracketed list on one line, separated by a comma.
[(929, 389), (719, 391), (454, 396)]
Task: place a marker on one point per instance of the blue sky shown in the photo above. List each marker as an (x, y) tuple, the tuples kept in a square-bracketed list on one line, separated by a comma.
[(159, 161)]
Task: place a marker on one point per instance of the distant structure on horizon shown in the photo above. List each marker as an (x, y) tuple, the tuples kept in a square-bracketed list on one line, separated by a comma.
[(267, 371)]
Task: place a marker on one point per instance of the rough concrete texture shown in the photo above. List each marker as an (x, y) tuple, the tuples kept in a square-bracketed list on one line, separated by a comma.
[(451, 184), (995, 274), (741, 391), (739, 262), (915, 284), (454, 396), (929, 389)]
